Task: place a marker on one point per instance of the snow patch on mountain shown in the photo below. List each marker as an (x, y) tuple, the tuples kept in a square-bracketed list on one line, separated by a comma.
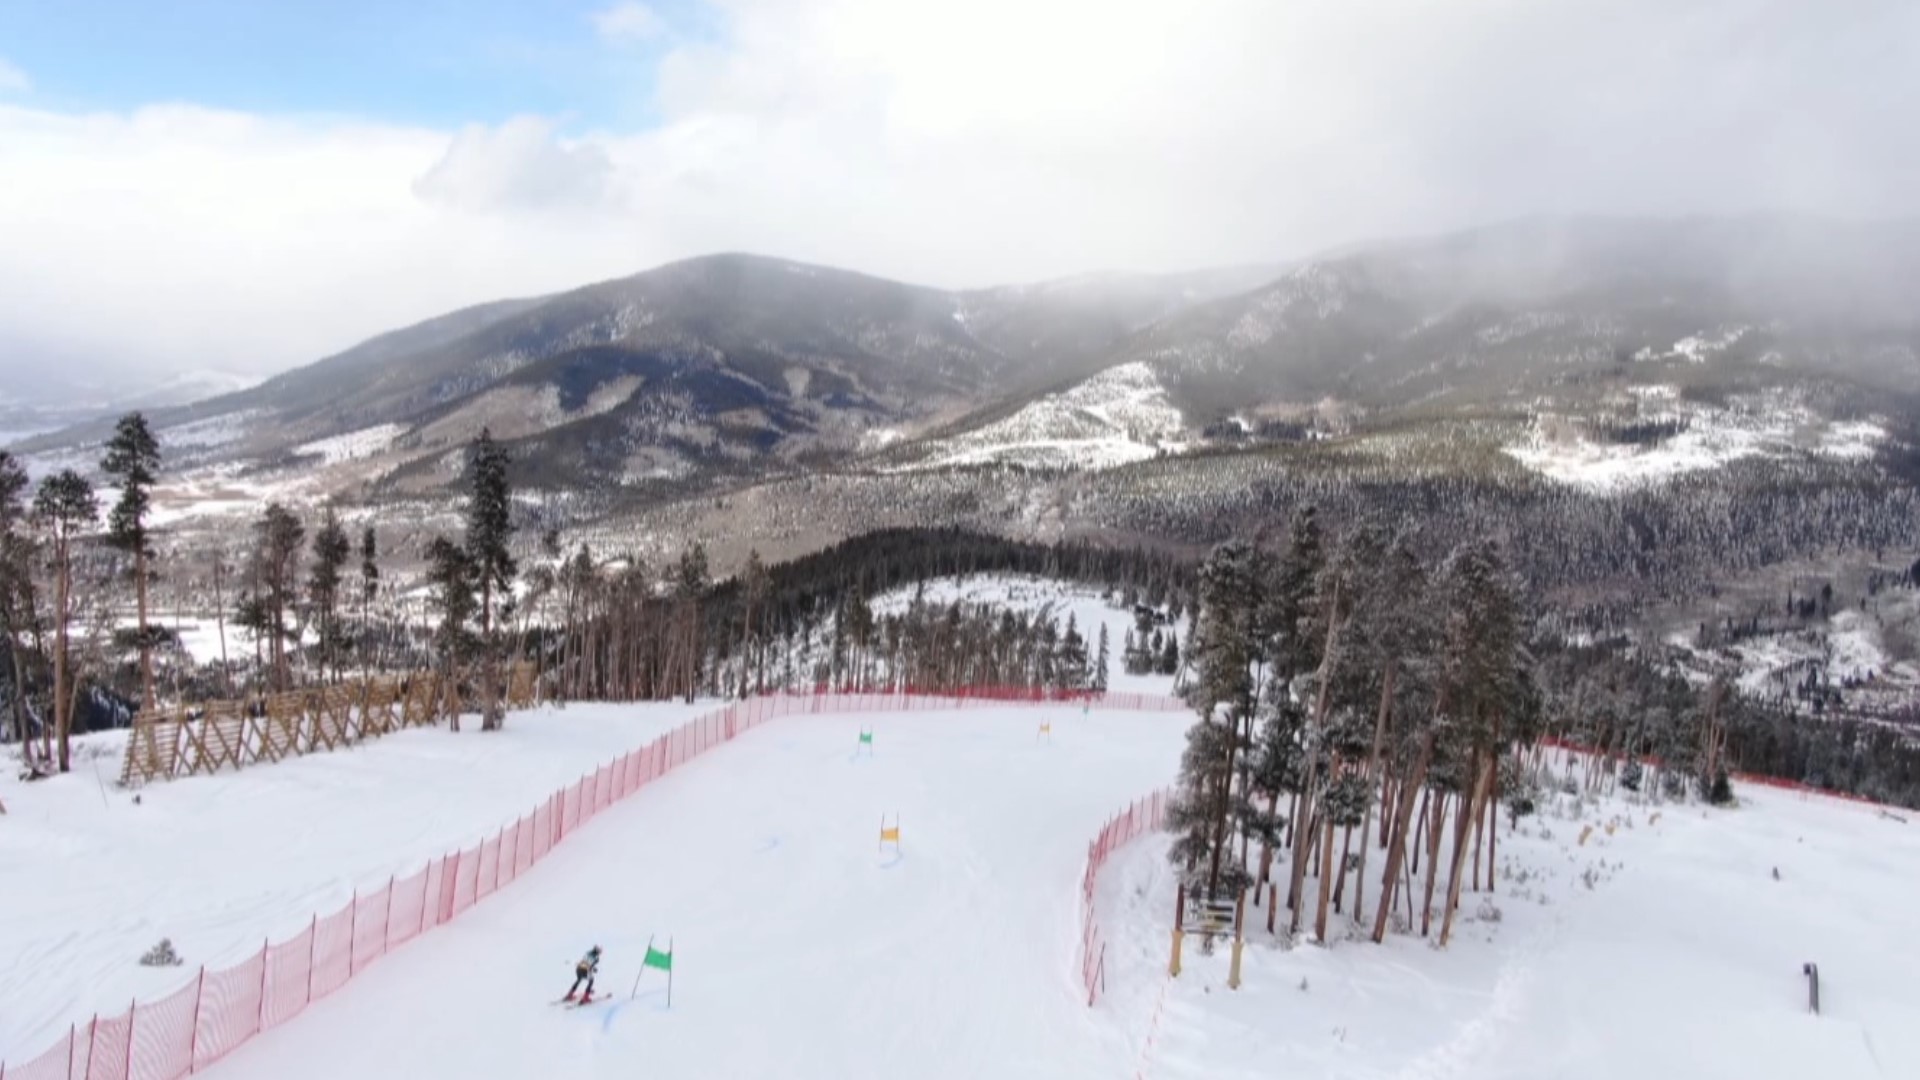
[(1696, 348), (210, 433), (1119, 416), (353, 445), (1773, 424)]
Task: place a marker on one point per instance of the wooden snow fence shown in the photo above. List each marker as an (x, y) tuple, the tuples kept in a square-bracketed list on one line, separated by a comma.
[(189, 740)]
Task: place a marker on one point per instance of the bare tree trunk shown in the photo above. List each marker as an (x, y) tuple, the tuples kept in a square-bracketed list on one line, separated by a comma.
[(1326, 879), (146, 640), (1340, 883), (1373, 781), (1397, 846), (1433, 861), (62, 707), (1469, 810)]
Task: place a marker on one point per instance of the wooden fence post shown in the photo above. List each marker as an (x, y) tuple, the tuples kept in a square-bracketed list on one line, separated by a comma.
[(1179, 921)]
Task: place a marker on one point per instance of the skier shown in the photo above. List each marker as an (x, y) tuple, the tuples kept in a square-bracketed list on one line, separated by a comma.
[(583, 973)]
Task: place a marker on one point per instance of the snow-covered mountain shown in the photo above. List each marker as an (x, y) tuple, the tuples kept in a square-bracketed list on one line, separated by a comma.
[(735, 367)]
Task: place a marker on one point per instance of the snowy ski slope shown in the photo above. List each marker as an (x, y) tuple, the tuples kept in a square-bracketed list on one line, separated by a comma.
[(800, 948)]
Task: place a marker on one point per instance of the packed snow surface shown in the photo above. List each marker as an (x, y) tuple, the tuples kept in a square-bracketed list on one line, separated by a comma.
[(800, 948)]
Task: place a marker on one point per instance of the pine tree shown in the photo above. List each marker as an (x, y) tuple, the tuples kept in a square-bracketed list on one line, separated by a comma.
[(330, 551), (1100, 670), (690, 585), (755, 587), (369, 588), (452, 577), (1170, 655), (133, 459), (1720, 792), (1484, 657), (1223, 696), (16, 591), (1073, 657), (279, 538), (65, 506), (489, 531)]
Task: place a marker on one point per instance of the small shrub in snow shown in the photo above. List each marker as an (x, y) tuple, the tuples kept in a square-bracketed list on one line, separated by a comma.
[(161, 955), (1303, 984), (1489, 911)]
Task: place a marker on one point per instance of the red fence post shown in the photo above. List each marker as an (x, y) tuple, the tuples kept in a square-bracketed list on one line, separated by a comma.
[(313, 954), (193, 1039), (353, 928), (265, 946)]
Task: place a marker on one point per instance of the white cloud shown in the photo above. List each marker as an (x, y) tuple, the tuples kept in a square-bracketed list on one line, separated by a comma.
[(956, 143), (12, 79), (628, 23), (519, 165)]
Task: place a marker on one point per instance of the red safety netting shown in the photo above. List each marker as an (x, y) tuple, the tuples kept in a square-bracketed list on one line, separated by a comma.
[(1805, 791), (332, 952), (370, 926), (219, 1010), (108, 1045), (163, 1035), (1147, 814), (406, 917), (56, 1063), (289, 978), (229, 1009)]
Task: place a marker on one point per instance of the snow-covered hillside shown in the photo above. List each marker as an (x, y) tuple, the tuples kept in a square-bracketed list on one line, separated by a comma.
[(1119, 416), (1705, 437)]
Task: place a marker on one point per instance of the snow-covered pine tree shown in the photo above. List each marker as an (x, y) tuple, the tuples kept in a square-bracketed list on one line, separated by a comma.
[(1222, 693), (133, 461), (1073, 673), (1100, 668), (1486, 663), (489, 531), (1170, 655)]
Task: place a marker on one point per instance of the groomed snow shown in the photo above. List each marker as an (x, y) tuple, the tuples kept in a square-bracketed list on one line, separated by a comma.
[(219, 863), (1667, 949), (800, 948)]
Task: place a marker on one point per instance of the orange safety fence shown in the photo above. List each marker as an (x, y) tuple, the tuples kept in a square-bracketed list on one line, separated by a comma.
[(1147, 814)]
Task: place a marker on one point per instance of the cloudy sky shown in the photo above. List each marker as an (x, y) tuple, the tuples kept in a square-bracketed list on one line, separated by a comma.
[(245, 186)]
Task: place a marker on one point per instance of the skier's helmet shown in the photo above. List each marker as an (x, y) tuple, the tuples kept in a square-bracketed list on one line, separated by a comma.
[(595, 951)]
